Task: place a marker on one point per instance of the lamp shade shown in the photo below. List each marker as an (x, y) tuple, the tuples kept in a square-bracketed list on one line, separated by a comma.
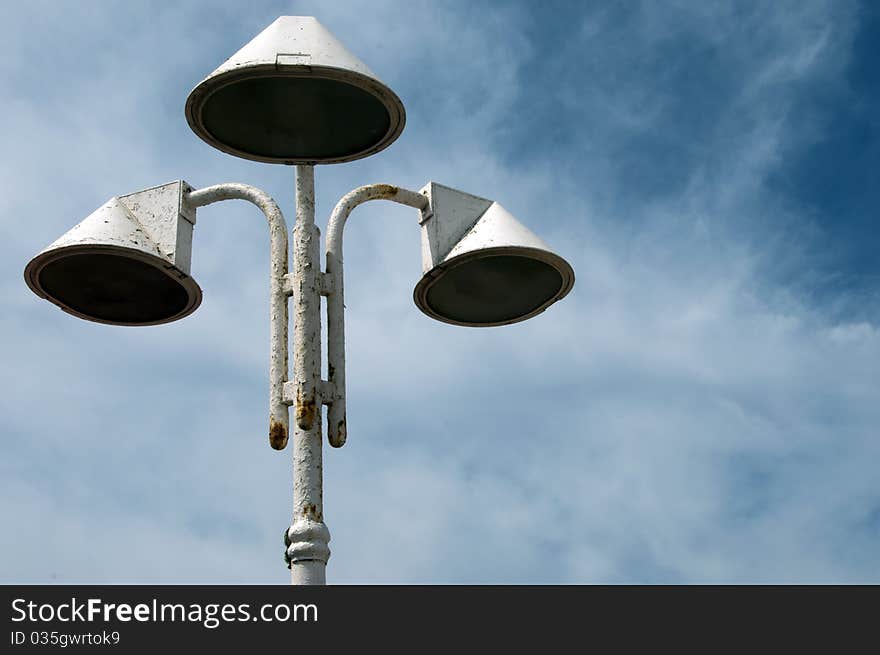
[(127, 263), (482, 267), (295, 95)]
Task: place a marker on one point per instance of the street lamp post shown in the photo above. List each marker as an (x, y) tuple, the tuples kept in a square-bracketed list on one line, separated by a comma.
[(295, 95), (307, 538)]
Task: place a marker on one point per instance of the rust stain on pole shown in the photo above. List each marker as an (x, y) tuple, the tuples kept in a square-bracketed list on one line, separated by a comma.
[(306, 410)]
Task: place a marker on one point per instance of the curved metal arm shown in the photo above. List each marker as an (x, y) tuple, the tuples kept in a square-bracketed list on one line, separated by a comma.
[(279, 428), (333, 289)]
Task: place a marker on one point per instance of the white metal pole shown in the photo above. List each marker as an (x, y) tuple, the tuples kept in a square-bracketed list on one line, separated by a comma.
[(308, 535)]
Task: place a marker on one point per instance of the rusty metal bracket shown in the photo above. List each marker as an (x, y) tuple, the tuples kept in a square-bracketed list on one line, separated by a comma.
[(336, 429), (325, 282), (279, 424)]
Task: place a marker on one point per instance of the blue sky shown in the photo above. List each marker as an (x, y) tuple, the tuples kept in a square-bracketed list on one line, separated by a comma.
[(703, 407)]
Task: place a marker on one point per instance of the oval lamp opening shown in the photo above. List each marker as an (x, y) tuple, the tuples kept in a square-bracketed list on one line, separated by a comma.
[(113, 287), (486, 289)]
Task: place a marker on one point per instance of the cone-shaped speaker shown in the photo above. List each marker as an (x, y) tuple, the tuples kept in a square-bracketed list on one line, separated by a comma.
[(295, 95), (481, 266), (126, 264)]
